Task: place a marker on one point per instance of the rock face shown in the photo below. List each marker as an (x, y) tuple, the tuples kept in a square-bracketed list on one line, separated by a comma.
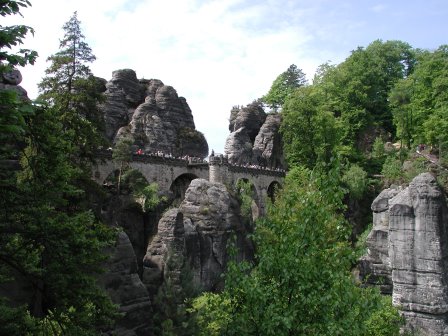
[(268, 148), (152, 114), (375, 267), (417, 251), (127, 290), (254, 137), (238, 147), (11, 81), (197, 234)]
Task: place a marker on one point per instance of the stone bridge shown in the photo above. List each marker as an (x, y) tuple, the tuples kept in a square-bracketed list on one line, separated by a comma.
[(175, 174)]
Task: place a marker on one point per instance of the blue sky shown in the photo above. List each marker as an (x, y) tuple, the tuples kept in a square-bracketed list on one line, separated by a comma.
[(221, 53)]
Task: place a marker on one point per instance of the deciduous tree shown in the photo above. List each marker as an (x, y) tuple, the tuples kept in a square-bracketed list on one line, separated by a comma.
[(301, 283)]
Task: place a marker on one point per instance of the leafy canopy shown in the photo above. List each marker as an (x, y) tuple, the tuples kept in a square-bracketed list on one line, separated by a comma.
[(51, 245), (283, 86), (301, 283)]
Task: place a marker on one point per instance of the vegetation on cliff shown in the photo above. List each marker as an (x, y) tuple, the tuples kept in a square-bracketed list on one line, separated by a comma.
[(335, 132), (51, 244)]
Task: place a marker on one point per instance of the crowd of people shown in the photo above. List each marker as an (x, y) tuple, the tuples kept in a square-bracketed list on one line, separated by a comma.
[(224, 158), (188, 158), (254, 166), (194, 159)]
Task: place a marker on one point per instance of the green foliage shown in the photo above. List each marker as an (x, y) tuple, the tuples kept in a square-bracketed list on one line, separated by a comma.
[(245, 193), (356, 92), (386, 321), (283, 86), (360, 245), (392, 170), (12, 36), (400, 97), (47, 234), (420, 100), (301, 283), (415, 167), (71, 89), (123, 151), (378, 150), (310, 134), (16, 321), (148, 193), (355, 178), (213, 314), (122, 154), (50, 241)]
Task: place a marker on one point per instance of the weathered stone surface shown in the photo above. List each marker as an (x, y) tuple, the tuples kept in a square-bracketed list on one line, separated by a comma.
[(152, 114), (268, 148), (408, 244), (252, 118), (125, 288), (13, 77), (254, 138), (418, 253), (197, 233), (124, 93), (10, 81), (375, 268), (238, 147)]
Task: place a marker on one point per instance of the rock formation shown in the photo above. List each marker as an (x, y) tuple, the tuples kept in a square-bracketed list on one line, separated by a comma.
[(125, 288), (11, 81), (254, 137), (418, 253), (417, 221), (152, 114), (375, 267), (196, 234), (268, 148), (238, 147)]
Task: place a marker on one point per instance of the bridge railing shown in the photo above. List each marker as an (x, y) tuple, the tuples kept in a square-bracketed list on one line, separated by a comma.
[(188, 161), (256, 170)]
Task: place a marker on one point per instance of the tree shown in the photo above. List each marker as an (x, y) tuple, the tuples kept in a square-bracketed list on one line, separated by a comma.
[(400, 98), (310, 133), (122, 154), (71, 89), (425, 99), (283, 86), (357, 90), (301, 283), (12, 36), (50, 243)]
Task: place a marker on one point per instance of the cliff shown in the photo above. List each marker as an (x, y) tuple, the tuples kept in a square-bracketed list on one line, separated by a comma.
[(254, 138), (152, 114), (197, 235), (408, 247)]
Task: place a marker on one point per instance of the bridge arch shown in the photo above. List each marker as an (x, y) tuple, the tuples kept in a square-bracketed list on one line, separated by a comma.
[(176, 175), (272, 190), (180, 185), (255, 208)]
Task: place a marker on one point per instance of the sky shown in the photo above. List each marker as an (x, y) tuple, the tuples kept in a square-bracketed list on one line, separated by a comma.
[(222, 53)]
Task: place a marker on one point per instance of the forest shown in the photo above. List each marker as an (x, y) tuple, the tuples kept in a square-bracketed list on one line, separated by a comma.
[(350, 132)]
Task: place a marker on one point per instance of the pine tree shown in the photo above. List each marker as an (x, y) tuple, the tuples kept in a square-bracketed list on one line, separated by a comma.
[(74, 92), (50, 243)]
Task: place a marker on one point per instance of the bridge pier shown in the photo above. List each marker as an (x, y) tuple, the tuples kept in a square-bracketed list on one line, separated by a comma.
[(218, 169)]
